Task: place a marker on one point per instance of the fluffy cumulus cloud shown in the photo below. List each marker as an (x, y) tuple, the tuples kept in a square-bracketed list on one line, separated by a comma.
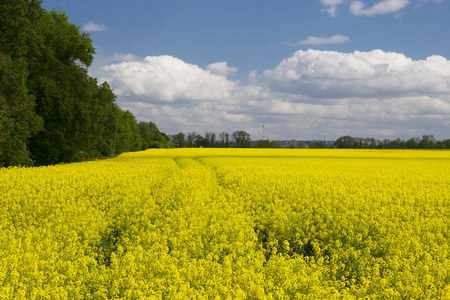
[(165, 79), (221, 69), (359, 74), (308, 95), (359, 8), (91, 26)]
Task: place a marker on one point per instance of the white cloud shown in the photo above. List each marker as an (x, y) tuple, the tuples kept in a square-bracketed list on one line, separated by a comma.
[(358, 8), (91, 26), (314, 40), (376, 73), (253, 77), (331, 6), (121, 57), (311, 94), (221, 69), (165, 79)]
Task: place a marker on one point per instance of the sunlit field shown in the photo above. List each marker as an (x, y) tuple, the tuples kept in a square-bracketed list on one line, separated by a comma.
[(229, 224)]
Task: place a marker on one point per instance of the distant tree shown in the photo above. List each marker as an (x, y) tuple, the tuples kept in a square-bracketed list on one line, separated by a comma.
[(242, 139), (190, 139), (151, 134), (318, 144), (224, 139), (211, 138), (267, 144), (427, 142), (412, 144), (178, 140), (397, 144), (128, 136), (201, 142), (370, 143), (345, 142), (446, 143), (439, 145)]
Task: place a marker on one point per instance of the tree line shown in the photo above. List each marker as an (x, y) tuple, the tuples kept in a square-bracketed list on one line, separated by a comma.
[(51, 109), (238, 139), (426, 142), (241, 139)]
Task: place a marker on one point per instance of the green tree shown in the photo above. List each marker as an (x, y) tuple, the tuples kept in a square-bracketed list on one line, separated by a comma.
[(150, 133), (19, 38), (427, 142), (211, 139), (20, 27), (107, 121), (446, 143), (191, 136), (412, 144), (345, 142), (178, 140), (66, 96), (267, 144), (201, 142), (18, 121), (224, 139), (318, 144), (128, 137), (241, 139)]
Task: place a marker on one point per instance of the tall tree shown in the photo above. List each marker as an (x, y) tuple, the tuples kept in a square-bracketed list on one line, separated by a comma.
[(224, 139), (345, 142), (267, 144), (69, 101), (210, 137), (128, 133), (178, 140), (191, 138), (50, 108), (19, 38), (242, 139), (18, 121), (427, 142)]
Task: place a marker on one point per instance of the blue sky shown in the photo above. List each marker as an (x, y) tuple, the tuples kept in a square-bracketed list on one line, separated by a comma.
[(304, 68)]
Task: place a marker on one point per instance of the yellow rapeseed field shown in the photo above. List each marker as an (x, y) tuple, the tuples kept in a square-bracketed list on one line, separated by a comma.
[(229, 224)]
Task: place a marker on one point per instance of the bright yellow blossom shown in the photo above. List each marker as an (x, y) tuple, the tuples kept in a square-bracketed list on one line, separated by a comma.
[(229, 224)]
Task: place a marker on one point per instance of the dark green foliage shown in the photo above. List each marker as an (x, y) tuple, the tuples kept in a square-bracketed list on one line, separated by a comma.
[(224, 139), (18, 121), (152, 137), (201, 142), (267, 144), (241, 139), (427, 142), (318, 145), (19, 27), (412, 144), (51, 110), (178, 140)]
